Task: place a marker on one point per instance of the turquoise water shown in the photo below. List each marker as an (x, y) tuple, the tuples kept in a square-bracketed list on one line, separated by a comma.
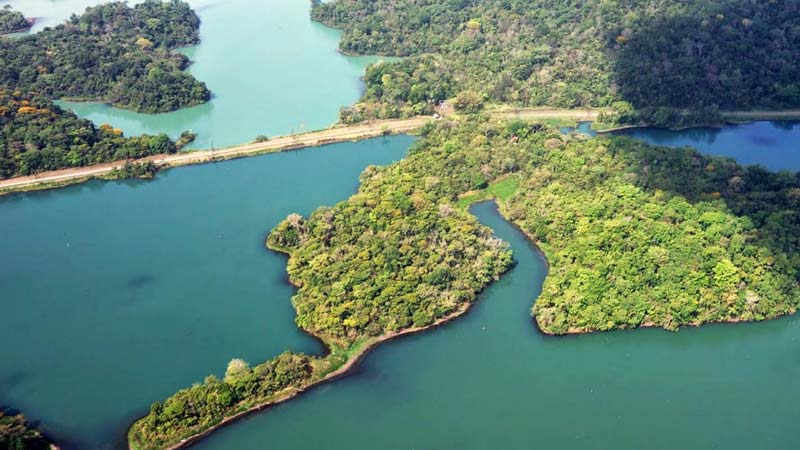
[(116, 294), (271, 69), (775, 145), (489, 380)]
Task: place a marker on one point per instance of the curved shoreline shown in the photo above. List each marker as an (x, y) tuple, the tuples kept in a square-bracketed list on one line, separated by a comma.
[(580, 331), (343, 370)]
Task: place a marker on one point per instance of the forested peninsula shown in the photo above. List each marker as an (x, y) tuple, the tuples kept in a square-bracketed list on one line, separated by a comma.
[(114, 53), (662, 62), (12, 21), (636, 236)]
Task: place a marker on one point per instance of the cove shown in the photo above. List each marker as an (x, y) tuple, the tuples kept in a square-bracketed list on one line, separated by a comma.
[(272, 71), (774, 145), (117, 294), (489, 380)]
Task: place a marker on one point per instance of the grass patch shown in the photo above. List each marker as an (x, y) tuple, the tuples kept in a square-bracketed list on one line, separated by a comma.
[(500, 189)]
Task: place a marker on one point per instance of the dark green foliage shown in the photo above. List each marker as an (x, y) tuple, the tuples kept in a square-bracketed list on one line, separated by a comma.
[(16, 434), (203, 405), (12, 21), (36, 135), (112, 52), (402, 89), (660, 56)]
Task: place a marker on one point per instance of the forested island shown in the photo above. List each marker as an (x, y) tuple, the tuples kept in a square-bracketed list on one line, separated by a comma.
[(12, 21), (661, 62), (636, 236), (113, 53)]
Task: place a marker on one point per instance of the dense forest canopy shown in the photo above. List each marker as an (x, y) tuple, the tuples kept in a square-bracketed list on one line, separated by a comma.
[(36, 135), (390, 258), (635, 235), (659, 57), (112, 52), (12, 21)]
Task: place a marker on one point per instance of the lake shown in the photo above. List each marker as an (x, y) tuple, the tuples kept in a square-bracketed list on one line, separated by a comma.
[(272, 71), (772, 144), (116, 294)]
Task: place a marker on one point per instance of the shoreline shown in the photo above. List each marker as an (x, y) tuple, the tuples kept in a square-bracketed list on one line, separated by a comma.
[(362, 350), (73, 175), (336, 134), (575, 332), (342, 371)]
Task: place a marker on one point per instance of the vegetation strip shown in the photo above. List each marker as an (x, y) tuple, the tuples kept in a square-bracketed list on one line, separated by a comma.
[(60, 178), (292, 142), (354, 359)]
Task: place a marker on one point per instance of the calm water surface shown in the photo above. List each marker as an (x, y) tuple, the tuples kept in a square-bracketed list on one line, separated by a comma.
[(775, 145), (272, 72), (116, 294), (491, 381)]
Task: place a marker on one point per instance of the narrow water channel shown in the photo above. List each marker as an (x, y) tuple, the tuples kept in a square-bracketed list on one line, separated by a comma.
[(489, 380)]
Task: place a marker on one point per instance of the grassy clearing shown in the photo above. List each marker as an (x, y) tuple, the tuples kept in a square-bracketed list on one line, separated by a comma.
[(500, 189)]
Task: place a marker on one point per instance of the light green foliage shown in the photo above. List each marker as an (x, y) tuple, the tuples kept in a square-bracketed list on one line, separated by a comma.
[(499, 190), (202, 405), (393, 256)]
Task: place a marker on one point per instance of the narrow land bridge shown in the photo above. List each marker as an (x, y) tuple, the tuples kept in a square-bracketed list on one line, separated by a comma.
[(332, 135)]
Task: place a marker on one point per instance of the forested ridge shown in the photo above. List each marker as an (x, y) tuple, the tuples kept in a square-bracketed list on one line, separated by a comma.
[(635, 235), (673, 62), (112, 52), (12, 21)]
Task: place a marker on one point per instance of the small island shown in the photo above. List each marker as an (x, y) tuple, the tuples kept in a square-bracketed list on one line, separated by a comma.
[(13, 21)]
